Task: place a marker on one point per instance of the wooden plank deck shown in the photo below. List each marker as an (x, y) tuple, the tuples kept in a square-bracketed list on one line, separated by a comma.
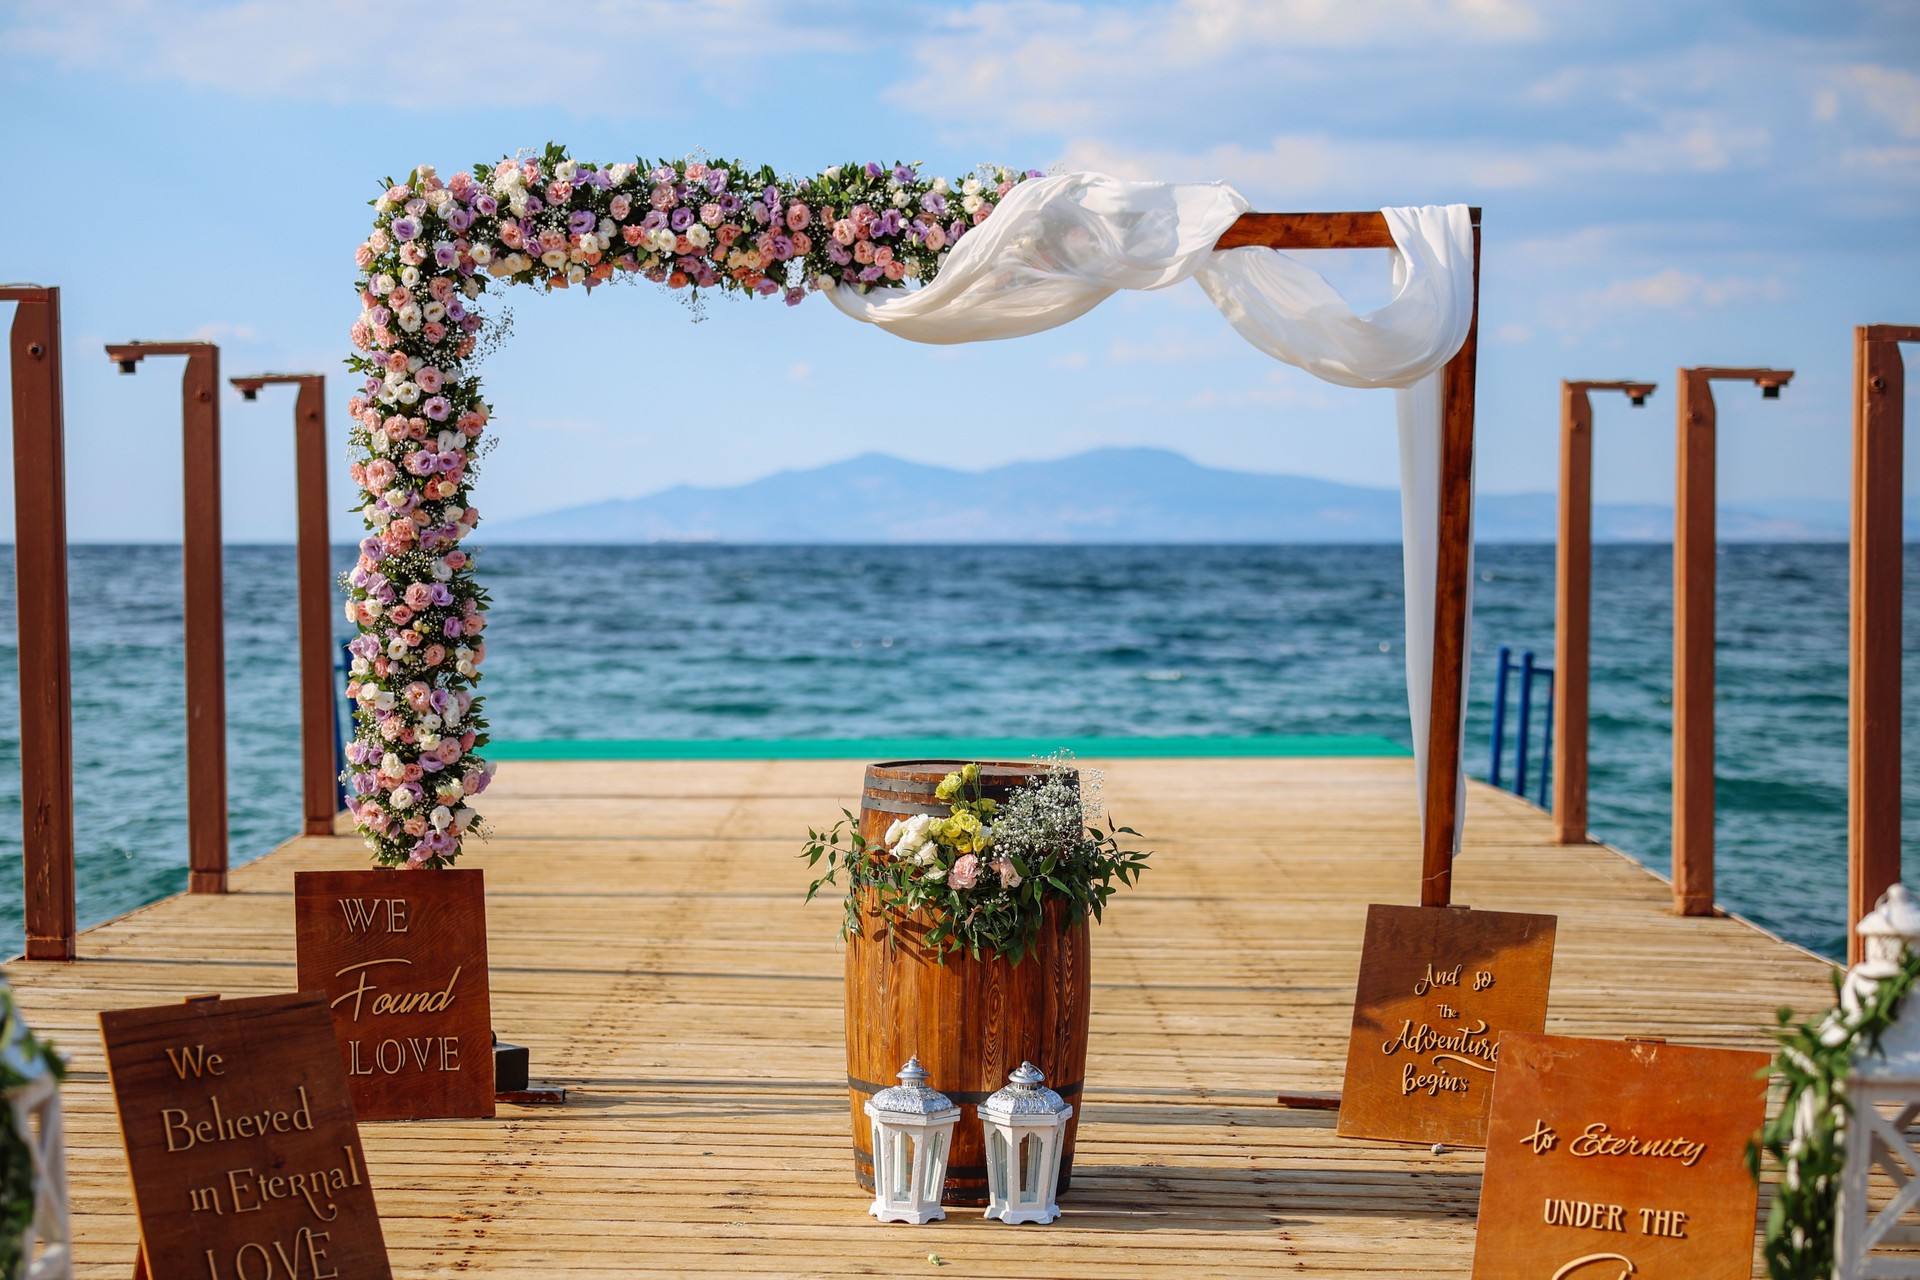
[(650, 945)]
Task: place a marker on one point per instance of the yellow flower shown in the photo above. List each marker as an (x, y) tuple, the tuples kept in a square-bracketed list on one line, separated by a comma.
[(970, 773), (949, 787)]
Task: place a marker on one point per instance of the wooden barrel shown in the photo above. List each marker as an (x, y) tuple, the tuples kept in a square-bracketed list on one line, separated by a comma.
[(970, 1022)]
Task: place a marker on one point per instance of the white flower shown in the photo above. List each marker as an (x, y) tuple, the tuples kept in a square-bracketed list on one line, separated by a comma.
[(565, 170), (463, 818), (360, 665), (384, 204), (396, 650), (434, 311), (517, 201), (894, 832), (833, 174), (972, 204), (393, 766), (430, 722), (353, 613), (698, 236), (508, 179), (942, 185), (384, 699), (379, 442), (912, 269), (409, 318), (409, 277), (661, 239), (408, 392), (619, 174), (441, 818), (576, 273), (381, 284), (471, 285), (970, 187), (934, 875), (481, 252), (401, 797), (554, 258), (608, 229), (900, 198)]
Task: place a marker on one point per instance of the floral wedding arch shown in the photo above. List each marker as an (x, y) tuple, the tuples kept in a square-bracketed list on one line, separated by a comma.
[(996, 254)]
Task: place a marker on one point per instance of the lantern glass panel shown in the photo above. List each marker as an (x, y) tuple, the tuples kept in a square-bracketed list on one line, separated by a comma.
[(902, 1167), (1030, 1170)]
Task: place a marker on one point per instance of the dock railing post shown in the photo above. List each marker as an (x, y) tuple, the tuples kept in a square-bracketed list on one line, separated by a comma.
[(205, 616), (46, 668), (1573, 604), (1873, 686), (1694, 548), (319, 745)]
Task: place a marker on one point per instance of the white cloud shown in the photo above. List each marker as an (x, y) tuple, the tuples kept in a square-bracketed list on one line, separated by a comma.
[(799, 371), (1069, 361), (1168, 346), (601, 59), (222, 331), (1677, 290)]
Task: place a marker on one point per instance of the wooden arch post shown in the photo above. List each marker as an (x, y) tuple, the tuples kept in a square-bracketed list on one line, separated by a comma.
[(205, 612), (1873, 686), (40, 576), (320, 784), (1694, 547), (1573, 603), (1453, 571)]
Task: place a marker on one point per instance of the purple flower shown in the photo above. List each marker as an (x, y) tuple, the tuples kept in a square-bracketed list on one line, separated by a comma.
[(934, 203), (760, 212), (1035, 173), (729, 203), (442, 594), (535, 204), (486, 205), (681, 219), (379, 315), (365, 784), (782, 248), (444, 254), (654, 220), (871, 274), (902, 174), (431, 764), (766, 288), (469, 323), (451, 628), (437, 700), (406, 228), (795, 297), (437, 408), (874, 170), (958, 229), (364, 646), (456, 310), (358, 577), (837, 252), (772, 196), (665, 173), (580, 222), (716, 181), (531, 230), (889, 223), (372, 385), (371, 548), (459, 219)]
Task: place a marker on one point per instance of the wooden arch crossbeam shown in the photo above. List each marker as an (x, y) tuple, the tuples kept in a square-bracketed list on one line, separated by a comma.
[(1454, 566)]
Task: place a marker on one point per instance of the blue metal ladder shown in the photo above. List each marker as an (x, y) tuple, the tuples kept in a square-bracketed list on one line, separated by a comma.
[(1530, 672)]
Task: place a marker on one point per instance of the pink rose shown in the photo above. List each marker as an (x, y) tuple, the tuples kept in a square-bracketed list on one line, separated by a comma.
[(893, 271), (798, 217), (1003, 867), (429, 378), (399, 615), (710, 214), (965, 873), (620, 206), (844, 232), (863, 252), (419, 596)]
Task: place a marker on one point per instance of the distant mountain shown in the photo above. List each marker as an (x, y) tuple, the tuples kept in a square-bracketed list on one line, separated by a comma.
[(1106, 495)]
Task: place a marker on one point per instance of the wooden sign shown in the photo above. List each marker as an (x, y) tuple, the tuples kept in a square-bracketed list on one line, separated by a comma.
[(1610, 1158), (402, 956), (240, 1137), (1438, 988)]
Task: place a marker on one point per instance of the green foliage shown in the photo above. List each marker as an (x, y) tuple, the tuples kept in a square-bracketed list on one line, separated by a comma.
[(980, 879), (1806, 1139), (23, 1058)]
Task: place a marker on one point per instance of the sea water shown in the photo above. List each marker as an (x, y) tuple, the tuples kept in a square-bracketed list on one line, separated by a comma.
[(796, 642)]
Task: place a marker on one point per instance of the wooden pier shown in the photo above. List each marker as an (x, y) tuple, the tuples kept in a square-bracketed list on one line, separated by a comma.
[(649, 943)]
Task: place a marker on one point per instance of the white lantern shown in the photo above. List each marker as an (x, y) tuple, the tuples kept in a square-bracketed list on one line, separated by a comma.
[(912, 1135), (1026, 1125), (1883, 1099)]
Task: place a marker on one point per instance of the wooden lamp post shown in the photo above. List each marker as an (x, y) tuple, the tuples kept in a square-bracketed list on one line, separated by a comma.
[(1573, 603), (40, 576), (1873, 719), (1694, 546), (318, 770), (205, 618)]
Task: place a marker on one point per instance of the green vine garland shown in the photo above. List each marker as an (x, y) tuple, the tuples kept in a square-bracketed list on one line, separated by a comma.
[(1806, 1139)]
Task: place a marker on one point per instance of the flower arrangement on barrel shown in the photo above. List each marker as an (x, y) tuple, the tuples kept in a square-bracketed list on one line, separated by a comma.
[(420, 422), (982, 876)]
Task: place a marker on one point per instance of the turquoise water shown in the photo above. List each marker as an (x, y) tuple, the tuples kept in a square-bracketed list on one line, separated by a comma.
[(1028, 642)]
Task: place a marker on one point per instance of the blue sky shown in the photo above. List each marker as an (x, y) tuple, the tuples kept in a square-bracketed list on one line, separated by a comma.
[(1664, 184)]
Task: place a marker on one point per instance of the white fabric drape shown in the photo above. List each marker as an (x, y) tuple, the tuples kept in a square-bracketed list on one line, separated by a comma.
[(1057, 247)]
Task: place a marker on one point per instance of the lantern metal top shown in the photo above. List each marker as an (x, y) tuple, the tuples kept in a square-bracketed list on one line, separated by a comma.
[(1896, 915), (912, 1097), (1026, 1094)]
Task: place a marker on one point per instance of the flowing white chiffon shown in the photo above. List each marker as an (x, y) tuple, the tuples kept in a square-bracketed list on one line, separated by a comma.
[(1056, 247)]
